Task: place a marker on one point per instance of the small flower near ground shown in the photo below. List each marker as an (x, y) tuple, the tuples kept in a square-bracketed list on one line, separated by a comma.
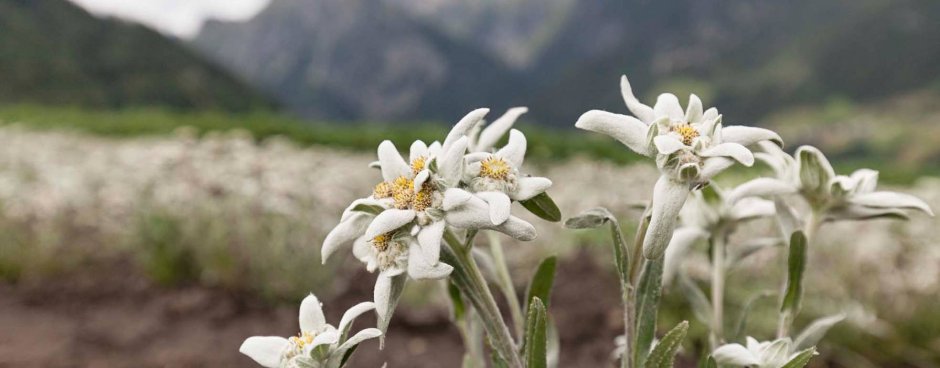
[(765, 354), (690, 147), (318, 345)]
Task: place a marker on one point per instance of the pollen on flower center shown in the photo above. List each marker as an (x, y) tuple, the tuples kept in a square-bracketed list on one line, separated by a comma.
[(388, 250), (688, 133), (424, 198), (403, 192), (381, 241), (382, 190), (302, 339), (418, 164), (495, 168)]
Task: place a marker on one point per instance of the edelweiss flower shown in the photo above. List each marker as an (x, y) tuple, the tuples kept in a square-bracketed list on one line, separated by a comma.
[(317, 345), (837, 197), (689, 147), (398, 229), (495, 177), (406, 196), (766, 354), (715, 210)]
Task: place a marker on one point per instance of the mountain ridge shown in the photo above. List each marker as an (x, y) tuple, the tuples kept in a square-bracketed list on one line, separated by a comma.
[(53, 52), (750, 58)]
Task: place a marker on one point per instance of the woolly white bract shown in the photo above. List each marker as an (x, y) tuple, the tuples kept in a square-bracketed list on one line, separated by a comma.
[(318, 345), (766, 354)]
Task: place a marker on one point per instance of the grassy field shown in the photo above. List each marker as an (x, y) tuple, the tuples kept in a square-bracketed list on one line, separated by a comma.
[(220, 210), (545, 145)]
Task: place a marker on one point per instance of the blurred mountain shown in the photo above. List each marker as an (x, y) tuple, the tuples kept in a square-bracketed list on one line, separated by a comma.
[(53, 52), (751, 58), (405, 59), (514, 31), (355, 59)]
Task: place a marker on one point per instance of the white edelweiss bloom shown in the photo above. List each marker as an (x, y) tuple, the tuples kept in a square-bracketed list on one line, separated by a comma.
[(398, 230), (317, 345), (838, 197), (403, 213), (495, 177), (766, 354), (690, 147)]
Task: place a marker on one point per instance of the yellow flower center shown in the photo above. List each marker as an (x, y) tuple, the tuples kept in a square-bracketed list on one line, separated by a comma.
[(495, 168), (418, 164), (382, 190), (688, 133), (424, 197), (403, 192), (302, 339), (381, 241)]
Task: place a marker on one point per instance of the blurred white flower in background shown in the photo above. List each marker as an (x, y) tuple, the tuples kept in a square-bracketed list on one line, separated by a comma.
[(767, 354), (837, 197), (318, 344), (104, 185)]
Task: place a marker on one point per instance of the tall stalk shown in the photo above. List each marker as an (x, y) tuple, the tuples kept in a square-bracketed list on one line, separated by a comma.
[(718, 290), (628, 288), (505, 282), (472, 284)]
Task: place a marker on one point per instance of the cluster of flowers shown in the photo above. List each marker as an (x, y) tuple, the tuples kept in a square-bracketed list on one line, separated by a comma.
[(691, 148), (463, 184)]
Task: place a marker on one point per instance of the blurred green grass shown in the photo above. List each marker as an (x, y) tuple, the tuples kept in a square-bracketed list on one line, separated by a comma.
[(224, 242), (545, 144)]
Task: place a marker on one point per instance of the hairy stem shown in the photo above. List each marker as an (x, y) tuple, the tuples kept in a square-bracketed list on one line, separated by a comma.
[(469, 333), (470, 281), (716, 335), (628, 290), (505, 283), (629, 322)]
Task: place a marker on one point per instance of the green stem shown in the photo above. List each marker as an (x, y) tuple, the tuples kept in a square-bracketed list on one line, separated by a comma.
[(718, 290), (636, 256), (628, 290), (470, 281), (473, 357), (648, 291), (629, 321), (505, 283)]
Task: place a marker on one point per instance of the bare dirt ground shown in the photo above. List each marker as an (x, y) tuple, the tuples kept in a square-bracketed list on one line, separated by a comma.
[(115, 317)]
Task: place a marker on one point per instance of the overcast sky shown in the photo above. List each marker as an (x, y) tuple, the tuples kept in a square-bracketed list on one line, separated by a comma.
[(181, 18)]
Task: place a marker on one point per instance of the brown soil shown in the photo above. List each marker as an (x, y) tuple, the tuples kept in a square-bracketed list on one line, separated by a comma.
[(118, 318)]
